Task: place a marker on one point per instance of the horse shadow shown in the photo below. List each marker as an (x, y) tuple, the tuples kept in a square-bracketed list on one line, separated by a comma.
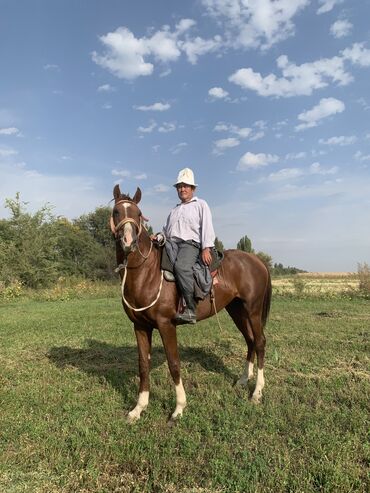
[(118, 365)]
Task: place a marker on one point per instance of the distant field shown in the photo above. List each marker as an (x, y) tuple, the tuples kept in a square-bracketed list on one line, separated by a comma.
[(317, 284), (69, 376)]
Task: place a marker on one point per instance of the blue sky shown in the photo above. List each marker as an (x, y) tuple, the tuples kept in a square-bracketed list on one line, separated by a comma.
[(268, 102)]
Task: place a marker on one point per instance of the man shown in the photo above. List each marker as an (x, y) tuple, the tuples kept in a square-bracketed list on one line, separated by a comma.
[(189, 228)]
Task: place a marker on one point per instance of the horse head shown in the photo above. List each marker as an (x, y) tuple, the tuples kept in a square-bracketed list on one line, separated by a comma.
[(127, 220)]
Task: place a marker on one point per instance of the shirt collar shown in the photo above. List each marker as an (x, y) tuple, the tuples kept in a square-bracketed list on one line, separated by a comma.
[(194, 199)]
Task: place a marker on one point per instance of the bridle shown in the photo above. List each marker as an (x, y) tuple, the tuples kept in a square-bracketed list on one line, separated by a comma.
[(139, 228), (135, 244)]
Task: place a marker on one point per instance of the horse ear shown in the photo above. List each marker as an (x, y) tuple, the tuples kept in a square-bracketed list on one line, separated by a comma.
[(137, 196), (116, 192)]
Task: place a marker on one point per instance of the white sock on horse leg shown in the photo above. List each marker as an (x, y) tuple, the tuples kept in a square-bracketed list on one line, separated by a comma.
[(257, 394), (142, 404), (180, 400)]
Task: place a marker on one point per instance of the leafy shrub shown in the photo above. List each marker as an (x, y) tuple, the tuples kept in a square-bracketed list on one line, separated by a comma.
[(364, 279), (12, 290), (299, 286)]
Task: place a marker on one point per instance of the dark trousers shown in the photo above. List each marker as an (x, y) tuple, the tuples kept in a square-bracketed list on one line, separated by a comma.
[(188, 253)]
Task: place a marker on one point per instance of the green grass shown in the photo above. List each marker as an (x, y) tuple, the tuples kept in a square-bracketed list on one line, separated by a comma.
[(69, 376)]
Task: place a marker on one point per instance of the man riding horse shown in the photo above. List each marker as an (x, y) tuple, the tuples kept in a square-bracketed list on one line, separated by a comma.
[(189, 234)]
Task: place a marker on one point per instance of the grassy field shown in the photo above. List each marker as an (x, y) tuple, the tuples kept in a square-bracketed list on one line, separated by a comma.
[(69, 375)]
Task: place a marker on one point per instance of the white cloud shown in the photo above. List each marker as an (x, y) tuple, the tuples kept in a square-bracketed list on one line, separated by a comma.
[(297, 79), (223, 144), (254, 161), (7, 151), (362, 157), (126, 56), (142, 176), (256, 22), (218, 93), (52, 66), (317, 169), (165, 73), (357, 54), (297, 155), (106, 88), (9, 131), (167, 127), (257, 136), (341, 28), (154, 107), (327, 5), (107, 106), (63, 192), (196, 47), (123, 173), (325, 108), (341, 140), (285, 174), (242, 133), (176, 149), (149, 129)]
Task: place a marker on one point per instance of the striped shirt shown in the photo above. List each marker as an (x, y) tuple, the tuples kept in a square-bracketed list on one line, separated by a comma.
[(191, 221)]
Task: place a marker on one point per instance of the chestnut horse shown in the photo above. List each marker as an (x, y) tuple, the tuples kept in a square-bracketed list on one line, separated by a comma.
[(244, 289)]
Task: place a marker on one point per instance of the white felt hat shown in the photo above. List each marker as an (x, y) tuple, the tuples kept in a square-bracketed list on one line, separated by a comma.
[(186, 176)]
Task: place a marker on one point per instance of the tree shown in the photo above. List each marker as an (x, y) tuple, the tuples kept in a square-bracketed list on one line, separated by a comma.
[(219, 245), (266, 259), (27, 245), (97, 224), (245, 244)]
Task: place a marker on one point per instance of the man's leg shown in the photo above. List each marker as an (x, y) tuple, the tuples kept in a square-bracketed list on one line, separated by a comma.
[(183, 267)]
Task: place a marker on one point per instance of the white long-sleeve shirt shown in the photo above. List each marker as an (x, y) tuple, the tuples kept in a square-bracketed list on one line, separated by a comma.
[(191, 221)]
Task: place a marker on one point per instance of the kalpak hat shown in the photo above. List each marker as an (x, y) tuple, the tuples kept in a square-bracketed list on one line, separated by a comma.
[(186, 176)]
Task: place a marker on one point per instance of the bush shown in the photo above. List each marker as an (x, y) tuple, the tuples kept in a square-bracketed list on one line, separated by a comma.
[(12, 290), (364, 279)]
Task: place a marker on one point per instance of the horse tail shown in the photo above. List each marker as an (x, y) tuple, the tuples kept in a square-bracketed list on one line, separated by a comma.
[(267, 300)]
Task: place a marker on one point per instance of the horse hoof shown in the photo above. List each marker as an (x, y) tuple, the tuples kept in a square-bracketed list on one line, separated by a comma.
[(242, 382), (172, 422), (256, 399), (132, 418)]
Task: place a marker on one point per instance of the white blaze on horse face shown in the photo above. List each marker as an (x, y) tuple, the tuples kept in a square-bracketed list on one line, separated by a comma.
[(180, 400), (127, 235), (141, 405)]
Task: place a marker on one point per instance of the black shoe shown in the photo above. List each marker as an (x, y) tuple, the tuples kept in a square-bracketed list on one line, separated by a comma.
[(188, 317)]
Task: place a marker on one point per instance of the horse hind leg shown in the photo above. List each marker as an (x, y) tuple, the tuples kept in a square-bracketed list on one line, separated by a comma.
[(144, 344), (260, 343), (239, 315)]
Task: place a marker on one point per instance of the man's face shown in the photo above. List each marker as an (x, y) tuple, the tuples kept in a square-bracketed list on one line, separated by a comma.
[(185, 192)]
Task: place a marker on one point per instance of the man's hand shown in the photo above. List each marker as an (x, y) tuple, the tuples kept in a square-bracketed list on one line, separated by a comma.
[(206, 256)]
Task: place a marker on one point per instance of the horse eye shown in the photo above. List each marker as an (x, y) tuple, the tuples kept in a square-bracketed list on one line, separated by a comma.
[(115, 213)]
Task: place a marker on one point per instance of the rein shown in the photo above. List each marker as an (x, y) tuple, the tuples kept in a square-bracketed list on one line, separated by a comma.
[(145, 307)]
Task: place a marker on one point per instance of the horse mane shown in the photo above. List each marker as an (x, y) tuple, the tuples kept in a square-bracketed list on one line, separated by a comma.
[(125, 196)]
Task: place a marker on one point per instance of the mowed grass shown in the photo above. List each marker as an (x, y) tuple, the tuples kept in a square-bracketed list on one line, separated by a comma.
[(69, 376)]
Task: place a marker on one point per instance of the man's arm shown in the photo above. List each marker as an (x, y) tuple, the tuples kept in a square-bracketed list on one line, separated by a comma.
[(208, 234)]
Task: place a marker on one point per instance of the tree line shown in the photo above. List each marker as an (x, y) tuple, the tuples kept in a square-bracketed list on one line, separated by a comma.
[(38, 248)]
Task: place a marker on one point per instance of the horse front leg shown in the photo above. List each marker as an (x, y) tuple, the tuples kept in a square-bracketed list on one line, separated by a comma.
[(169, 339), (144, 345)]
